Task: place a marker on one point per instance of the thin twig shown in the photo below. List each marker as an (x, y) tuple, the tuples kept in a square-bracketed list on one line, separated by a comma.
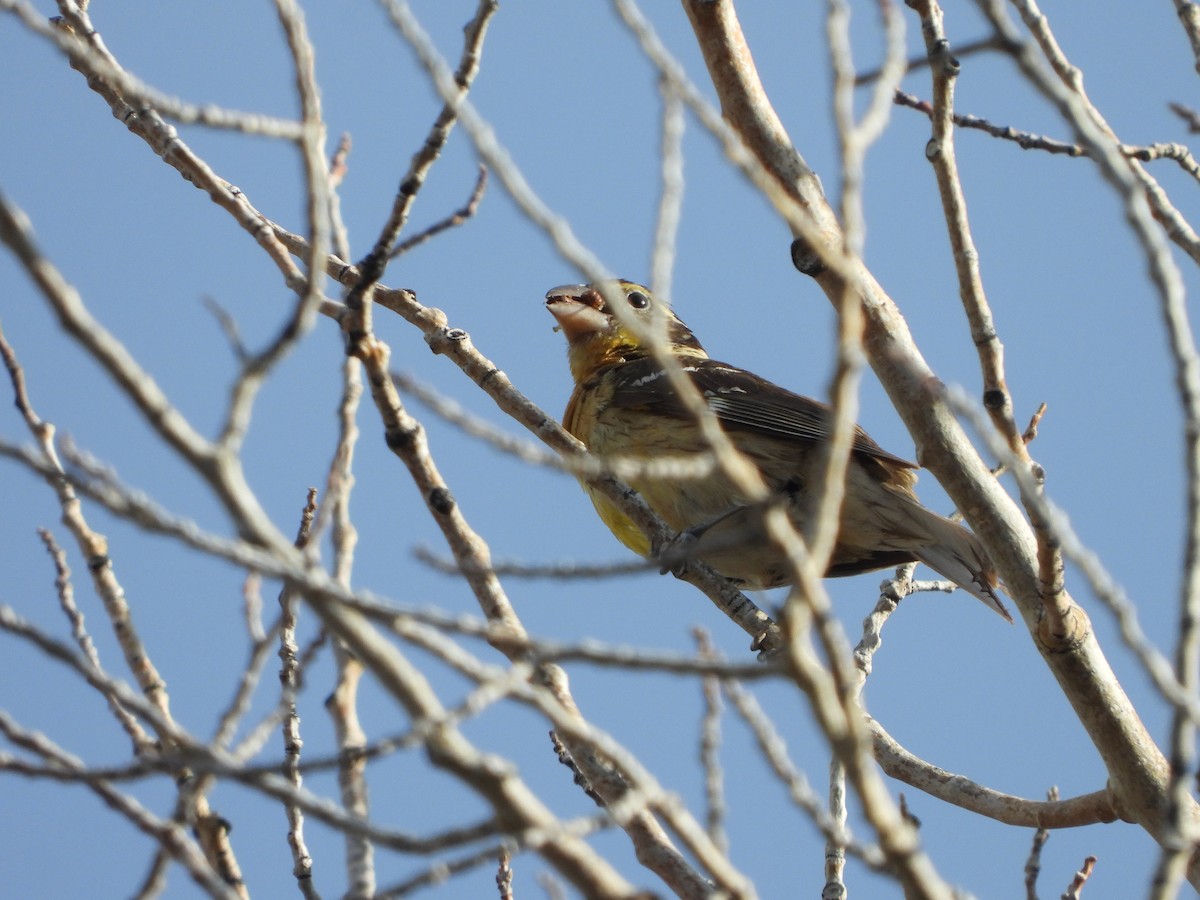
[(142, 742), (1075, 888), (670, 200), (675, 467), (289, 680), (455, 219), (167, 835), (88, 53), (1033, 865), (917, 63), (710, 748), (311, 145), (373, 265), (564, 570)]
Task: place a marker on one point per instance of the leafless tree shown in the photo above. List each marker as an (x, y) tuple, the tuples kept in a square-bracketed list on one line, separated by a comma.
[(182, 782)]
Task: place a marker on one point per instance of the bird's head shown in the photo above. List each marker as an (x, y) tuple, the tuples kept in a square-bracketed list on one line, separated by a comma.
[(598, 336)]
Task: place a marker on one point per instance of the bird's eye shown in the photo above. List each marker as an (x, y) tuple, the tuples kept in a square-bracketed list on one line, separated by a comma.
[(638, 300)]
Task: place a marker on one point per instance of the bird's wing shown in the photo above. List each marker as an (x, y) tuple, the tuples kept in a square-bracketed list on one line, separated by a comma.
[(741, 400)]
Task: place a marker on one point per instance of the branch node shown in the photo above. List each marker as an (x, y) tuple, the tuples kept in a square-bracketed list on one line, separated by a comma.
[(995, 399), (441, 501), (1065, 632), (944, 62), (807, 260), (443, 339)]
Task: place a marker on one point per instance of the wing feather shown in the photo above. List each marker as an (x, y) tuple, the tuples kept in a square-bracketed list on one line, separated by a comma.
[(741, 400)]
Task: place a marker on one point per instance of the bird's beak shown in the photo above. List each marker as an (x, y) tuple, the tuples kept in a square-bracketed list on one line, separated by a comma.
[(578, 309)]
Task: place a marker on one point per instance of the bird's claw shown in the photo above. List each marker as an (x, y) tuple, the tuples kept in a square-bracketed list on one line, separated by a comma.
[(675, 553), (768, 643)]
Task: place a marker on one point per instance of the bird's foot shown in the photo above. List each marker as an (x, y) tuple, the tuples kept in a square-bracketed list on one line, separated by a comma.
[(675, 553)]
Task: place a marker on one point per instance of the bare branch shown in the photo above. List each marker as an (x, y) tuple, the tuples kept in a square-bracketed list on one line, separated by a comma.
[(372, 266), (710, 746), (456, 218), (1033, 865), (1088, 809), (170, 836), (90, 56)]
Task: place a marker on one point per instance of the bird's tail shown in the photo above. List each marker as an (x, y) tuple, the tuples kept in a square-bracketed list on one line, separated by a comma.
[(957, 554)]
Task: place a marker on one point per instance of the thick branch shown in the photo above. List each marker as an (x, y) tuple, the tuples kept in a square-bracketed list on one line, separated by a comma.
[(898, 762), (1137, 769)]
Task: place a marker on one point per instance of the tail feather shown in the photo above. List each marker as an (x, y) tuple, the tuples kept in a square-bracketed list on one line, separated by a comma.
[(957, 554), (887, 517)]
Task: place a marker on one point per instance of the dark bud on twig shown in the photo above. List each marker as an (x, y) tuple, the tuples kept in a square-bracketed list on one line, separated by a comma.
[(805, 259), (943, 60)]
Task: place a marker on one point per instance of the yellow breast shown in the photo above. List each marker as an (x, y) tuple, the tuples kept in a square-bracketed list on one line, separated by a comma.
[(619, 524), (609, 431), (588, 402)]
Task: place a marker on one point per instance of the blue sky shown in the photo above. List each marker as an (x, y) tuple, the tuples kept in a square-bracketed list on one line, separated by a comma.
[(576, 105)]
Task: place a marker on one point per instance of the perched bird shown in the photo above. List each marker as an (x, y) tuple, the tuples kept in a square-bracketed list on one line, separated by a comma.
[(623, 404)]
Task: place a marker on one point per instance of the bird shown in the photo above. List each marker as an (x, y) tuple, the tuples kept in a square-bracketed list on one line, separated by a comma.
[(623, 405)]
